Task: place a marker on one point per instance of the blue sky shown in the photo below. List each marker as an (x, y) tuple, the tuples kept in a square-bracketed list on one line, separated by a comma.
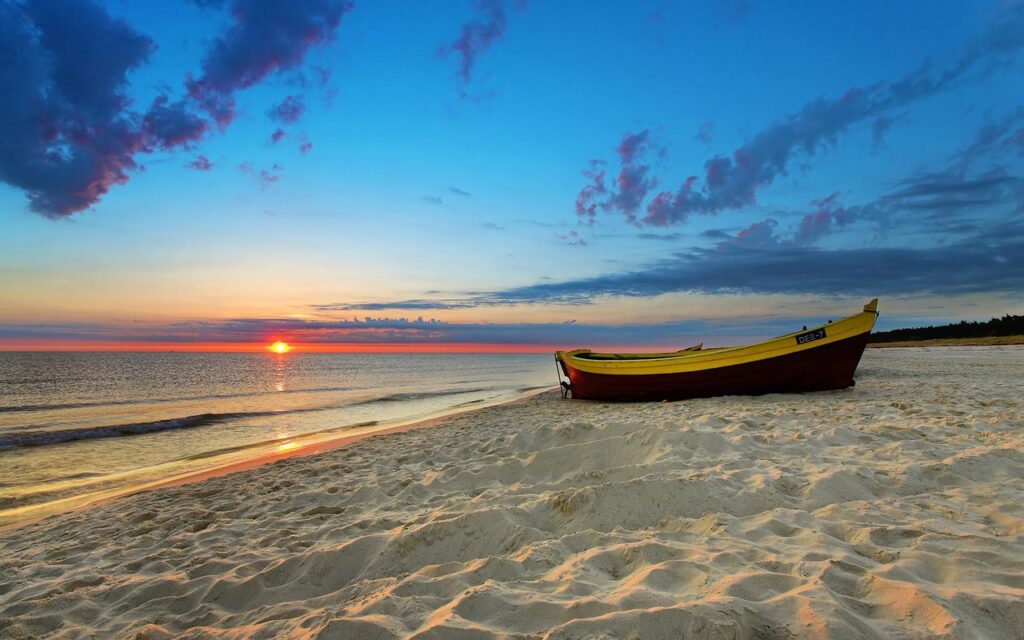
[(650, 172)]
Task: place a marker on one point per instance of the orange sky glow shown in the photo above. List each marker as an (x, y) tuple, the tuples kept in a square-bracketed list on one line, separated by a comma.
[(264, 347)]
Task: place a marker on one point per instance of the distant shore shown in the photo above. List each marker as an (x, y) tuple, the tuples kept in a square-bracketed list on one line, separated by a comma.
[(951, 342)]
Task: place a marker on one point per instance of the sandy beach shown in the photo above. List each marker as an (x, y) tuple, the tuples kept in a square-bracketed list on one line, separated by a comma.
[(894, 509)]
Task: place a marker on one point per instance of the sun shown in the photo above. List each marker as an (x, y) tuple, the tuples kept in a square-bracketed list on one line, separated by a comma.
[(280, 347)]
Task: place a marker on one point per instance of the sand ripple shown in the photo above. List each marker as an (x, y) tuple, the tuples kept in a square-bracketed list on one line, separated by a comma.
[(891, 510)]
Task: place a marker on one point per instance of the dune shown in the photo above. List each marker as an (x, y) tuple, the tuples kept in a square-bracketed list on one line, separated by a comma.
[(894, 509)]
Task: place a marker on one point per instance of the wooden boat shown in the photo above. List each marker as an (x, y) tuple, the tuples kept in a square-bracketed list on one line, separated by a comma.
[(816, 359)]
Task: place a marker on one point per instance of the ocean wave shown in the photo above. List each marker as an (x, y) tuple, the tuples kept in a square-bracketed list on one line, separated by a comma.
[(117, 403), (415, 395), (40, 438)]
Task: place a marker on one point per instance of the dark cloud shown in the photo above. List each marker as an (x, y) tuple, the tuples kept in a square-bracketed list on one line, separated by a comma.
[(968, 253), (172, 124), (277, 136), (66, 138), (989, 262), (477, 36), (953, 193), (305, 146), (459, 192), (288, 111), (434, 200), (201, 163), (732, 182), (265, 36), (66, 122)]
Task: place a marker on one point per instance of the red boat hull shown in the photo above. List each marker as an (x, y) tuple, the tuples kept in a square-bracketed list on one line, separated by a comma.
[(823, 368)]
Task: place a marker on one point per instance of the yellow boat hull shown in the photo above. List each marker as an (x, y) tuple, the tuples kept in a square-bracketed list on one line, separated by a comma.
[(821, 358)]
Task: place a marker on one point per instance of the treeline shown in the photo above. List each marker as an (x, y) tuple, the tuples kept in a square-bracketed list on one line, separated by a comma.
[(1006, 326)]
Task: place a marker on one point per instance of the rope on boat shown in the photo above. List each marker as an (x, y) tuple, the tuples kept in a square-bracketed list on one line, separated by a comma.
[(564, 385)]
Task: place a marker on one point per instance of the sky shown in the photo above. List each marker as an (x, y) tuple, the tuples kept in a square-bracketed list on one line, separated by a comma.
[(502, 175)]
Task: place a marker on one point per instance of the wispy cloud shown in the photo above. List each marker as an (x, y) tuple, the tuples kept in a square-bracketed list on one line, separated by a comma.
[(264, 177), (477, 36), (200, 163), (732, 182), (630, 187), (705, 133), (573, 238)]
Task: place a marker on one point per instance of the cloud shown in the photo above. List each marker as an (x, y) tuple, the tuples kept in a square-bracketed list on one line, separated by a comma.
[(264, 37), (387, 330), (973, 221), (880, 127), (476, 37), (264, 177), (990, 262), (1006, 133), (705, 133), (490, 226), (277, 136), (573, 238), (201, 163), (459, 192), (66, 118), (435, 200), (952, 193), (630, 187), (735, 10), (305, 146), (664, 237), (288, 111), (66, 137), (395, 305), (172, 124), (733, 181)]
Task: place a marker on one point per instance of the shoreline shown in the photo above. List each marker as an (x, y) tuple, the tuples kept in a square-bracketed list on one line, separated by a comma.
[(309, 445)]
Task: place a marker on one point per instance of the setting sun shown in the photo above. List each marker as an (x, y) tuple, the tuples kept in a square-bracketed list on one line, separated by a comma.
[(280, 347)]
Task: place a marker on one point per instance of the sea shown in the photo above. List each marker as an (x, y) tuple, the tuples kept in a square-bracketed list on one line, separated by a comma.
[(77, 427)]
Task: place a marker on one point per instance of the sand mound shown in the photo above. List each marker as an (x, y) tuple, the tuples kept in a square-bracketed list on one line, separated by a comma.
[(893, 509)]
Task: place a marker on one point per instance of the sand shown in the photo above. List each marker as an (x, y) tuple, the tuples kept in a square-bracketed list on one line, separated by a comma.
[(951, 342), (891, 510)]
